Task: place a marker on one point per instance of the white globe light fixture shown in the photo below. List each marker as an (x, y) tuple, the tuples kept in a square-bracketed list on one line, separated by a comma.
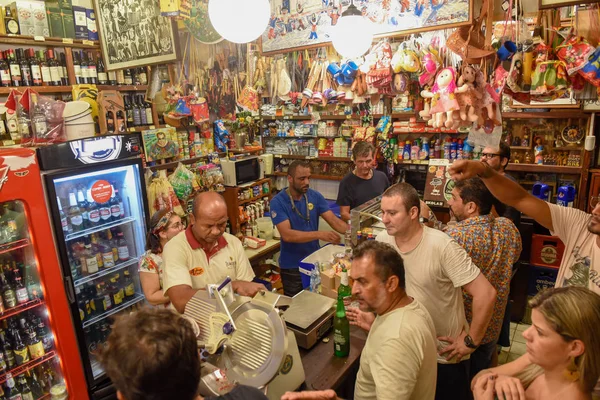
[(353, 34), (239, 21)]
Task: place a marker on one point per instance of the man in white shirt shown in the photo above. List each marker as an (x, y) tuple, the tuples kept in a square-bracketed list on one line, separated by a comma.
[(398, 361), (437, 267)]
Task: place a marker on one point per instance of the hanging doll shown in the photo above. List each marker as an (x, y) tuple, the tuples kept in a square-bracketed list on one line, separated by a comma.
[(468, 99), (431, 63), (487, 103), (443, 98)]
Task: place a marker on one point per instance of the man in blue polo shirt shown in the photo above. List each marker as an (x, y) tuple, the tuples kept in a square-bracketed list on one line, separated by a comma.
[(296, 211)]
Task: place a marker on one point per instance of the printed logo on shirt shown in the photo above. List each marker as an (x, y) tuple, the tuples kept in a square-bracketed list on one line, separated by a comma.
[(273, 214), (311, 206), (196, 271), (231, 264)]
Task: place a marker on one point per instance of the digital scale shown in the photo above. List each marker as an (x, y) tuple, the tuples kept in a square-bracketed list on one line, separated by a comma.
[(310, 317)]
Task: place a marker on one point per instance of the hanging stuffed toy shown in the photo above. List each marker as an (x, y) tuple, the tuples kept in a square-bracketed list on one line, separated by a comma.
[(488, 101), (431, 63), (468, 99), (443, 98)]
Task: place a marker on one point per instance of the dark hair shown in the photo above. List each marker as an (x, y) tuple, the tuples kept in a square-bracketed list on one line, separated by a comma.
[(295, 164), (387, 260), (362, 149), (152, 238), (408, 193), (504, 152), (152, 354), (473, 189)]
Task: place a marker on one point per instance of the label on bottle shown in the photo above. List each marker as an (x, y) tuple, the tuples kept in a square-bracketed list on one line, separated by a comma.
[(10, 299), (136, 117), (102, 77), (92, 72), (94, 216), (22, 295), (36, 350), (77, 69), (115, 211), (2, 362), (47, 342), (81, 314), (115, 252), (65, 224), (34, 290), (123, 252), (12, 26), (5, 76), (46, 76), (77, 220), (9, 356), (27, 396), (108, 259), (92, 264), (105, 213), (15, 71), (128, 80), (129, 290), (100, 262), (85, 72), (55, 74), (118, 297), (36, 73), (26, 74), (344, 278), (149, 116), (107, 302), (339, 339), (21, 356)]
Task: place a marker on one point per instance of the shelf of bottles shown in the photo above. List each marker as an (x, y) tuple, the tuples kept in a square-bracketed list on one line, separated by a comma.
[(26, 342)]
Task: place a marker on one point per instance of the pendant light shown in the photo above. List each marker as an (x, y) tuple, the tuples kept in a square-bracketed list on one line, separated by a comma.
[(239, 21), (353, 34)]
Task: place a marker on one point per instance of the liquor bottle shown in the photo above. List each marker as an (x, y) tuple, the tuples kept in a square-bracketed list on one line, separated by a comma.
[(92, 70), (128, 111), (11, 23), (96, 250), (102, 75), (93, 210), (142, 108), (104, 302), (112, 78), (116, 291), (83, 207), (11, 392), (105, 215), (4, 71), (122, 247), (25, 69), (120, 77), (3, 366), (341, 331), (32, 284), (137, 120), (26, 393), (64, 221), (91, 261), (45, 336), (55, 69), (128, 77), (143, 76), (45, 68), (75, 215), (8, 293), (15, 69), (21, 351), (113, 243), (34, 383), (129, 286), (64, 76), (39, 121), (135, 76), (20, 289), (77, 67), (107, 254), (115, 207), (7, 350), (121, 127), (85, 75), (148, 109), (34, 65), (34, 344)]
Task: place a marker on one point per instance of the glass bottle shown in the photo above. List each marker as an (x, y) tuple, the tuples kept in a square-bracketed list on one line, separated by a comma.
[(102, 75), (115, 207), (128, 77), (128, 111), (143, 76), (55, 69), (129, 285), (7, 350), (75, 215), (344, 290), (32, 284), (34, 383), (8, 293), (25, 69), (15, 69), (26, 393), (85, 75), (77, 67), (45, 68), (64, 221), (119, 200), (117, 292), (341, 331), (3, 366), (10, 22), (20, 289), (105, 215), (91, 261), (137, 121), (39, 121), (5, 80), (45, 336), (11, 392), (34, 344), (83, 207), (21, 351), (64, 76), (148, 109), (121, 128), (120, 77), (122, 247), (34, 65), (142, 108), (92, 70), (112, 78)]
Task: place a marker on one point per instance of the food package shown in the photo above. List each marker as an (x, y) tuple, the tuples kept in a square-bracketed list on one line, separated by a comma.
[(161, 195), (183, 181)]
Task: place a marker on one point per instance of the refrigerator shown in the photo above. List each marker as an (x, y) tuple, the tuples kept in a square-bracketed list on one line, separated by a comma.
[(38, 347), (96, 197)]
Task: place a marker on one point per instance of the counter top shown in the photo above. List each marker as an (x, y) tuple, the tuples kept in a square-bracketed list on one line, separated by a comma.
[(271, 247)]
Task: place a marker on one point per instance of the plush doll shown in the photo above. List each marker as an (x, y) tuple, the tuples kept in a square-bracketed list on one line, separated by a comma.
[(443, 98), (487, 102), (468, 99), (431, 63)]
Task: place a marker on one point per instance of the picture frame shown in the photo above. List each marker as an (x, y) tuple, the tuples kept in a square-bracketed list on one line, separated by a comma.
[(134, 34), (309, 23), (553, 4)]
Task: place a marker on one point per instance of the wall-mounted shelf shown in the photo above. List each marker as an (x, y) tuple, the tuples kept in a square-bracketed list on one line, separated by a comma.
[(49, 41), (314, 176), (555, 169), (576, 113)]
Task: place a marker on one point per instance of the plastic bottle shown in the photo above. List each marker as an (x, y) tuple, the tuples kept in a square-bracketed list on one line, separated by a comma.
[(467, 150), (406, 152), (415, 150), (459, 150), (424, 154), (453, 149), (437, 148), (447, 144)]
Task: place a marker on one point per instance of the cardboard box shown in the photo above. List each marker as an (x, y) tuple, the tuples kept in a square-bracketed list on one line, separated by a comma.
[(40, 19), (55, 22), (22, 11), (332, 294), (80, 19), (91, 24), (65, 5), (68, 23)]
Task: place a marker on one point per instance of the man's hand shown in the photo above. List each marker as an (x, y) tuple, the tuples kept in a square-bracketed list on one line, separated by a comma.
[(465, 169), (484, 388), (330, 236), (311, 395), (457, 347), (248, 289), (362, 319)]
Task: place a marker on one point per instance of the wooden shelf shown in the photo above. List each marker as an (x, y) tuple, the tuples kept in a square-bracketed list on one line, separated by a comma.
[(173, 164), (49, 41), (318, 158), (242, 202), (244, 151), (287, 117), (404, 115), (124, 88), (520, 147), (552, 169), (574, 148), (313, 176), (39, 89), (575, 113)]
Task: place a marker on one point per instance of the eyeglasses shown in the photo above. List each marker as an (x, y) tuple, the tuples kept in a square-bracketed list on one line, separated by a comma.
[(177, 225), (489, 155), (594, 200)]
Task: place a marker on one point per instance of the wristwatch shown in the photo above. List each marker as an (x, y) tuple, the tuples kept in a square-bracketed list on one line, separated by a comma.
[(469, 342)]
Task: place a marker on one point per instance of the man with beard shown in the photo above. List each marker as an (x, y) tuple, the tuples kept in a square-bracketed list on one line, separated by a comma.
[(494, 244), (498, 158), (295, 212), (399, 358)]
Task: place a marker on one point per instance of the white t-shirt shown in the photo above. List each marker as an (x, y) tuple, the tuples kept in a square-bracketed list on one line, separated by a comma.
[(435, 272), (580, 265), (398, 361)]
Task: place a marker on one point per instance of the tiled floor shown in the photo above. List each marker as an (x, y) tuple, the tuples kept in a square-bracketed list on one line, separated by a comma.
[(517, 341)]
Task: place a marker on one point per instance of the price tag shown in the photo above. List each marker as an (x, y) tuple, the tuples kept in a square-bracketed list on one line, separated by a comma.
[(151, 127), (67, 40), (286, 117), (87, 42), (349, 116), (131, 129), (39, 38)]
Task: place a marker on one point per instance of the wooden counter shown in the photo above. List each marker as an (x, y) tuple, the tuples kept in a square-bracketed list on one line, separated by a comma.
[(255, 255)]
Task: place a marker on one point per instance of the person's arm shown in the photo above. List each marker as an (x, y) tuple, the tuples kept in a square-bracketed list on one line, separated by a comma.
[(345, 213), (335, 222), (177, 282), (484, 297), (290, 235), (504, 189), (509, 369), (151, 287), (180, 295)]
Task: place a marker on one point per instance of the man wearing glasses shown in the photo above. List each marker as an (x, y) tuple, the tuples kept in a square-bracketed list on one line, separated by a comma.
[(577, 229), (204, 254)]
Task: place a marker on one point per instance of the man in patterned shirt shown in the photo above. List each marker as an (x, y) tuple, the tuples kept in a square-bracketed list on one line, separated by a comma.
[(494, 244)]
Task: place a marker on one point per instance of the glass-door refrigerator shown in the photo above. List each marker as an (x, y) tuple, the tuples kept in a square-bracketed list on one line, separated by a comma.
[(96, 195), (39, 357)]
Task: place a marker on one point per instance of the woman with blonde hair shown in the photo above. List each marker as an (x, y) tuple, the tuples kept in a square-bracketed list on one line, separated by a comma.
[(164, 225), (563, 352)]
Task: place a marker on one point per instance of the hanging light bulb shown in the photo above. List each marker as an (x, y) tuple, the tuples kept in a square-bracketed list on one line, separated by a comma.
[(239, 21), (353, 34)]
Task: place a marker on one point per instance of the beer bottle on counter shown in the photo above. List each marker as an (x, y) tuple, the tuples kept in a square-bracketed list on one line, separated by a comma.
[(26, 393), (83, 207), (20, 289), (11, 392), (4, 71), (36, 72), (344, 290), (115, 207), (93, 210), (8, 293), (75, 215), (21, 352), (341, 330)]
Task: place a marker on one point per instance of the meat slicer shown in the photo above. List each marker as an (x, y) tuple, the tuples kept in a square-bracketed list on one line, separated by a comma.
[(244, 341)]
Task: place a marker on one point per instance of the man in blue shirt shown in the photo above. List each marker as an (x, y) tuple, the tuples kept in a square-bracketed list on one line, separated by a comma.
[(296, 211)]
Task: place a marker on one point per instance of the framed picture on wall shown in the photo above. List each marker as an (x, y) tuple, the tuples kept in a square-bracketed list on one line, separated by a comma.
[(302, 24), (134, 34), (542, 4)]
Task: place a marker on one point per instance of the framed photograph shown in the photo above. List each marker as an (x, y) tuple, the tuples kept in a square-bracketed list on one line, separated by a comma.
[(543, 4), (302, 24), (160, 144), (134, 34)]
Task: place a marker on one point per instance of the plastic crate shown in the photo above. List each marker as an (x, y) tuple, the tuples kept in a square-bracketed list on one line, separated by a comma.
[(546, 250), (540, 278)]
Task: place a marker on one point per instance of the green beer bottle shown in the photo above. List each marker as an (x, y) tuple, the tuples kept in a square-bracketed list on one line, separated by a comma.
[(344, 290), (341, 330)]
